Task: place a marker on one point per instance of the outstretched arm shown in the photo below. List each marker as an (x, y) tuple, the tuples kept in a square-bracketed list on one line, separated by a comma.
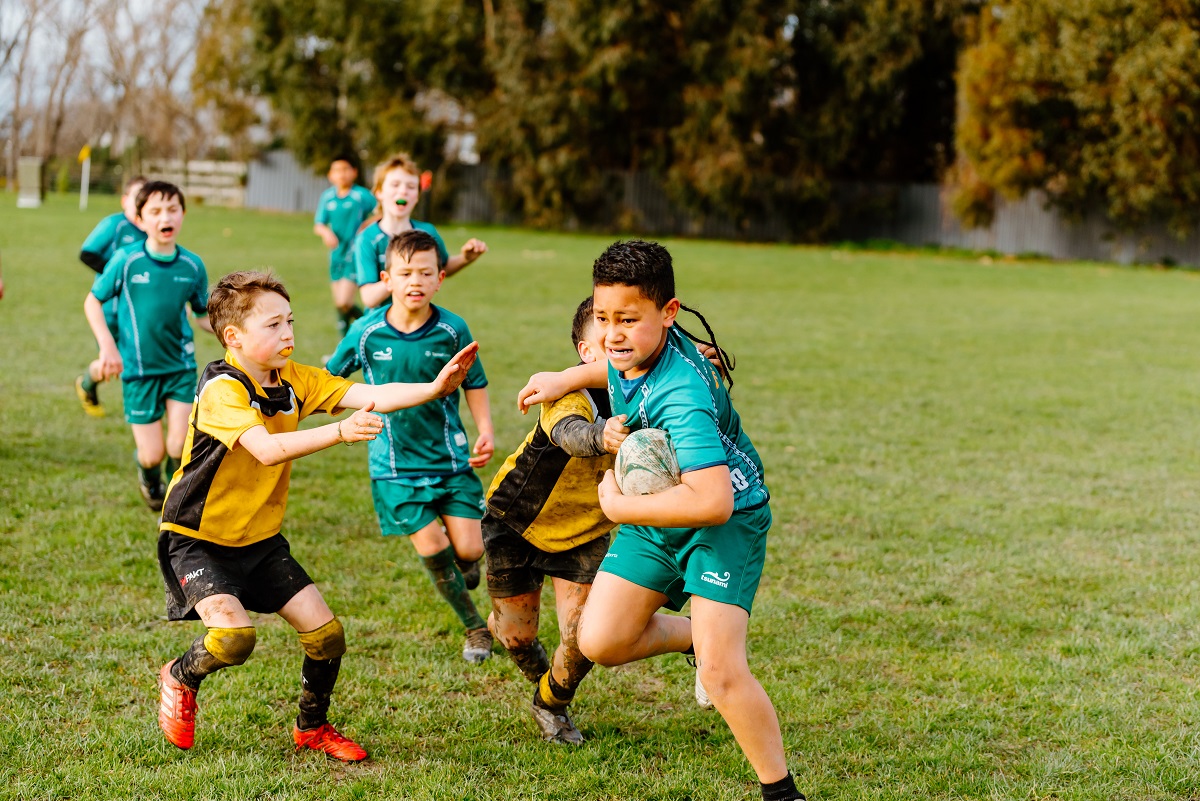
[(471, 250), (547, 387), (272, 449), (390, 397)]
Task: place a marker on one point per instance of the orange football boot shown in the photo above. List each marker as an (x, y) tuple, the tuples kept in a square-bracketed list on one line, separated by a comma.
[(331, 741), (176, 709)]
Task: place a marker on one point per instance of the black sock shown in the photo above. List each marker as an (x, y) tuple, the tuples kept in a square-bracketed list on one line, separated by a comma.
[(150, 476), (531, 659), (782, 790), (170, 465), (195, 664), (317, 678)]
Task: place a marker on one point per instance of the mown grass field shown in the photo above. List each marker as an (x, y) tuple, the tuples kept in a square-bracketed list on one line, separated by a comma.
[(984, 580)]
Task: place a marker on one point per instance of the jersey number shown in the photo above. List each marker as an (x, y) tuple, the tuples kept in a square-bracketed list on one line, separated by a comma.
[(739, 481)]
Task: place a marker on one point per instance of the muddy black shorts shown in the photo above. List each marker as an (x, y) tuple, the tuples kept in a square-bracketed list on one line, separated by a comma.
[(516, 566), (263, 576)]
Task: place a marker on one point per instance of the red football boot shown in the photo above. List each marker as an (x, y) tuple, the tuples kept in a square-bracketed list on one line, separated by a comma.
[(331, 741), (176, 709)]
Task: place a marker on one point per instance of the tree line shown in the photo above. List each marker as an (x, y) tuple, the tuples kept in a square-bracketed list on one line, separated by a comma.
[(742, 109)]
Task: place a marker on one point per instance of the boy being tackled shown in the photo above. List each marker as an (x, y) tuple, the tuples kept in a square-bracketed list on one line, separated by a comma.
[(220, 549)]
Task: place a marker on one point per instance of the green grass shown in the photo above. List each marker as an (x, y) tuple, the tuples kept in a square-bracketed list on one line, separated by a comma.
[(983, 581)]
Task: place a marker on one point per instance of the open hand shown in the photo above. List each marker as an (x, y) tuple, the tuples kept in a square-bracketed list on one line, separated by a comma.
[(455, 371), (472, 249), (361, 426)]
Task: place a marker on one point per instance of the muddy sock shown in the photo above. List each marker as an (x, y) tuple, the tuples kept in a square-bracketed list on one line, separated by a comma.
[(531, 659), (552, 694), (196, 663), (317, 678), (449, 582)]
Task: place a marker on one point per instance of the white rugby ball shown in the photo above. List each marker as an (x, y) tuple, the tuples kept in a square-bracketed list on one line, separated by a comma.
[(646, 463)]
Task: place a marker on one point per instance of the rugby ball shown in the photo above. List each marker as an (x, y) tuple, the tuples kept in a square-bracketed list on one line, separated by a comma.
[(646, 463)]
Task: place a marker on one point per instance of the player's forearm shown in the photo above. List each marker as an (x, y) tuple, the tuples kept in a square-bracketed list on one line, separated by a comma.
[(387, 397), (578, 437), (204, 324), (455, 263), (373, 294), (481, 410), (273, 449), (679, 507), (94, 311)]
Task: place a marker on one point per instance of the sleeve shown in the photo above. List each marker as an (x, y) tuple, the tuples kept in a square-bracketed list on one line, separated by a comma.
[(223, 411), (573, 404), (366, 263), (322, 216), (688, 416), (317, 390), (93, 260), (108, 283), (345, 359), (100, 241), (572, 425), (476, 378), (443, 254), (199, 299)]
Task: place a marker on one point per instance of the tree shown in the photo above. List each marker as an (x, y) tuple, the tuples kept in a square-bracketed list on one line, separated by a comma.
[(1093, 102)]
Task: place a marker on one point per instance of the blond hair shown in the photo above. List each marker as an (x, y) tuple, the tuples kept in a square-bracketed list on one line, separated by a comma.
[(401, 161)]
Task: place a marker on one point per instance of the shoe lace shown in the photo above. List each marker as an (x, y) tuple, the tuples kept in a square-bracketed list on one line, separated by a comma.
[(479, 638)]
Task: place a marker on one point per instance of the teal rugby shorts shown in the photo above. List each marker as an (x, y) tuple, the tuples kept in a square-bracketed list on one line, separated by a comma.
[(721, 563), (404, 506), (146, 398), (341, 264)]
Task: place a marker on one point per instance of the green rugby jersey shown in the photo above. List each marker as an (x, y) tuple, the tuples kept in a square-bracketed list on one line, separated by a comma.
[(683, 394), (371, 246), (110, 235), (427, 440), (344, 214), (155, 336)]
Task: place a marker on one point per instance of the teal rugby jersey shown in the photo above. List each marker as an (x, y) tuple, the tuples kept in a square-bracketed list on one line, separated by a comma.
[(371, 246), (426, 440), (111, 234), (683, 394), (344, 215), (155, 336)]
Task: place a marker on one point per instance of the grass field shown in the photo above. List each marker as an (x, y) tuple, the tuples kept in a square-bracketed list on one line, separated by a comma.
[(983, 581)]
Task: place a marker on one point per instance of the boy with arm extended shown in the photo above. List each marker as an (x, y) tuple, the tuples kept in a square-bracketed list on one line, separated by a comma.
[(421, 469), (220, 548), (543, 520), (342, 210), (398, 188), (703, 540), (152, 284), (111, 234)]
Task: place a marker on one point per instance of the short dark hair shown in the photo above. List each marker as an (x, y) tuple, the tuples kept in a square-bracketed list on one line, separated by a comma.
[(637, 263), (233, 297), (405, 244), (167, 190), (346, 157), (582, 321)]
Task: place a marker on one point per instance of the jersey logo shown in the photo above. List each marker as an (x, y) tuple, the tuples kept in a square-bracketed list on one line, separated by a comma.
[(182, 279), (437, 355), (460, 439), (331, 205), (382, 355), (713, 577), (140, 278), (193, 575)]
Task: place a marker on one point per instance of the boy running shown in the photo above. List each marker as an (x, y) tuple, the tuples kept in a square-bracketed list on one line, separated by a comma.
[(114, 232), (398, 188), (220, 548), (342, 210), (152, 283), (421, 469), (543, 520), (703, 540)]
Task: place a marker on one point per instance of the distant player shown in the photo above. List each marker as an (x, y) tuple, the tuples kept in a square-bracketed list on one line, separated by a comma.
[(152, 283), (114, 232), (703, 540), (423, 469), (398, 188), (342, 210), (221, 549), (543, 519)]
